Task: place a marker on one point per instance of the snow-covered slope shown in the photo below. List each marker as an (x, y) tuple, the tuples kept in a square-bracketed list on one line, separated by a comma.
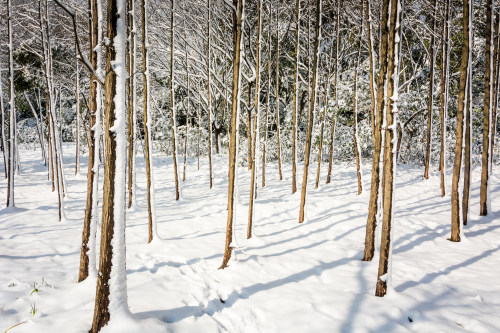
[(289, 278)]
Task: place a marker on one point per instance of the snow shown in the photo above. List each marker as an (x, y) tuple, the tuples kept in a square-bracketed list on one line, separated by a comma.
[(289, 277)]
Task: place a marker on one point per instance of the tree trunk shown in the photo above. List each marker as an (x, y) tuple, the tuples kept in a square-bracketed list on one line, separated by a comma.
[(487, 114), (172, 103), (112, 270), (249, 126), (148, 144), (295, 96), (12, 111), (88, 251), (187, 106), (323, 117), (443, 111), (268, 105), (378, 106), (277, 90), (77, 116), (238, 24), (431, 95), (464, 66), (255, 145), (209, 101), (357, 151), (390, 25), (311, 112), (132, 115), (332, 131)]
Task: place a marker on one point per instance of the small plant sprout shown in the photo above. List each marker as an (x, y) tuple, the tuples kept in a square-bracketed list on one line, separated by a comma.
[(35, 288), (33, 309)]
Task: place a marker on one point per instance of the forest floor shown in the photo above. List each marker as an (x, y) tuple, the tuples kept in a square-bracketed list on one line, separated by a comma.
[(289, 277)]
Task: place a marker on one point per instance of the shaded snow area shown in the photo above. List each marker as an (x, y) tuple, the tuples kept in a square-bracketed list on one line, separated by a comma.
[(290, 277)]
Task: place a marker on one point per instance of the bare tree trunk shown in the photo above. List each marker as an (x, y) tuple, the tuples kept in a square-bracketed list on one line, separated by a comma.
[(357, 152), (253, 185), (311, 111), (332, 131), (4, 142), (467, 147), (295, 96), (112, 266), (187, 105), (390, 28), (323, 117), (209, 101), (88, 251), (12, 110), (431, 95), (496, 87), (148, 144), (172, 103), (443, 111), (487, 114), (238, 23), (464, 66), (38, 126), (77, 116), (132, 115), (268, 93), (378, 105), (277, 90), (249, 126)]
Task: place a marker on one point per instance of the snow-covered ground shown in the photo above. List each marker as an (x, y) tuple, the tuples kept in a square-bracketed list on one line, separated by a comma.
[(289, 277)]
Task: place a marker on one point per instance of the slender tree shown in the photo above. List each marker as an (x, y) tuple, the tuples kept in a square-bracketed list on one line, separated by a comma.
[(443, 111), (430, 100), (312, 107), (148, 144), (378, 106), (172, 101), (88, 258), (390, 25), (457, 165), (487, 111), (295, 96), (111, 291), (277, 93), (238, 24), (209, 100), (357, 150), (255, 145), (132, 114), (12, 110), (332, 130)]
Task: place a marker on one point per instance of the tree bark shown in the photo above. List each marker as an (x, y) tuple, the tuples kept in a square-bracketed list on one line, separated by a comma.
[(209, 101), (378, 116), (391, 28), (357, 152), (295, 96), (132, 116), (238, 24), (172, 102), (112, 271), (464, 67), (12, 110), (430, 100), (148, 144), (311, 112), (255, 145), (277, 109), (332, 131), (487, 114), (443, 111)]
